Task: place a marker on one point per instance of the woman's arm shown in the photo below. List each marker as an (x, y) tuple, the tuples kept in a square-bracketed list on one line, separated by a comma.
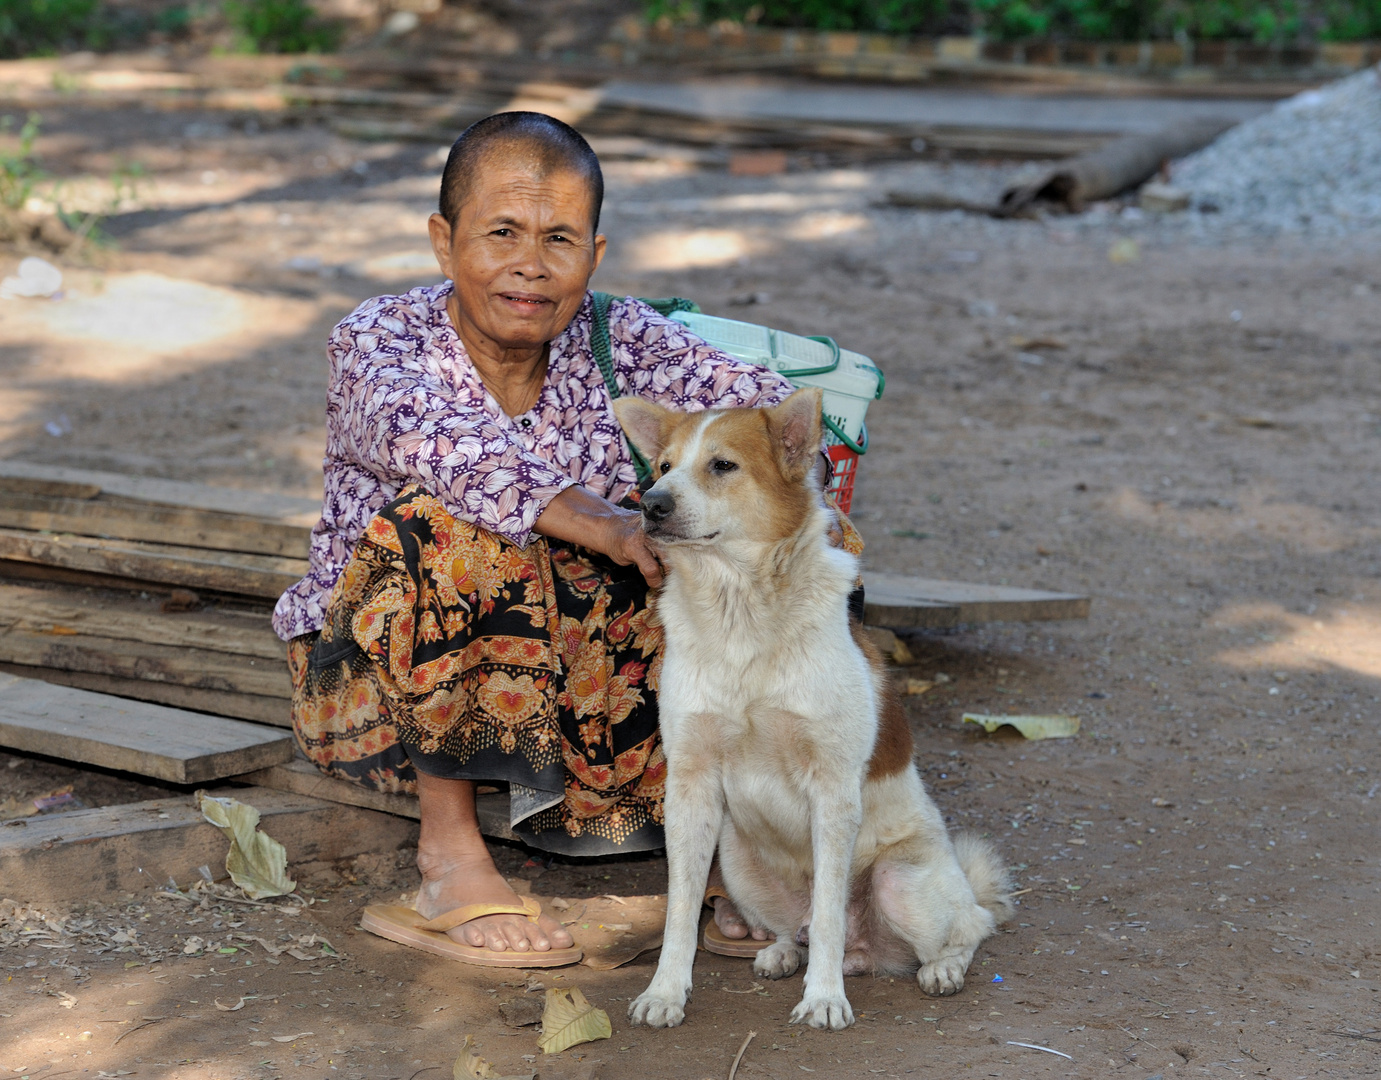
[(579, 516)]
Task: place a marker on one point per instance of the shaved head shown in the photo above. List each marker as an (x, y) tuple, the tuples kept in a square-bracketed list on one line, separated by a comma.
[(527, 139)]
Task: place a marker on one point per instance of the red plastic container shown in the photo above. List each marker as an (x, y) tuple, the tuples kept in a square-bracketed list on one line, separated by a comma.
[(845, 463)]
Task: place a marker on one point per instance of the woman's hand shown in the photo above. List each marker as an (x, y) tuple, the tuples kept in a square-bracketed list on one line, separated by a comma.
[(582, 517), (628, 545)]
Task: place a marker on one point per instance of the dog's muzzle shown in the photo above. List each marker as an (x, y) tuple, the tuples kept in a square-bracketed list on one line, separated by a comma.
[(657, 506)]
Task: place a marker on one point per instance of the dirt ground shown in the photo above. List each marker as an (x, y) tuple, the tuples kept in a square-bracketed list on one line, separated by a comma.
[(1189, 435)]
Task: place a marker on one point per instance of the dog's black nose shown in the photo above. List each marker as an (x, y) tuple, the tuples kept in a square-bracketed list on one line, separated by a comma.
[(657, 505)]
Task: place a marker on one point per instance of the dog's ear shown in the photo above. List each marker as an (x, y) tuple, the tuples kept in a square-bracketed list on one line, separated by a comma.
[(795, 425), (646, 424)]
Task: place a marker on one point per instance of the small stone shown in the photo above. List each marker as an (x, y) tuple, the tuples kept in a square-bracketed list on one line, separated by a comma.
[(522, 1012), (1164, 199)]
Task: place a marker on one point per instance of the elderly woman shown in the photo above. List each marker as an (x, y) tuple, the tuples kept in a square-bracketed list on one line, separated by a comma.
[(477, 604)]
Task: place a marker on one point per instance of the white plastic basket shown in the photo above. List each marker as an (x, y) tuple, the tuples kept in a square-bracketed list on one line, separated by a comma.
[(850, 380)]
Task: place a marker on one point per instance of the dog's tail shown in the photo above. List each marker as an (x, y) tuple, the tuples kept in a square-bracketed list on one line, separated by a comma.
[(987, 876)]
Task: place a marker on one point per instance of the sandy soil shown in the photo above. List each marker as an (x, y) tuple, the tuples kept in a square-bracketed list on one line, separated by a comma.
[(1188, 435)]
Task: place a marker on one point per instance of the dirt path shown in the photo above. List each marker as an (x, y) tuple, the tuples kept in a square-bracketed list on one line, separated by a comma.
[(1200, 862)]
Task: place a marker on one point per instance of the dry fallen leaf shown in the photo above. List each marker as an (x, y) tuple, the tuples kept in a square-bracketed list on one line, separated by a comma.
[(570, 1019), (913, 687), (290, 1038), (470, 1066), (1158, 801), (1032, 727), (256, 862), (1125, 250), (1019, 342), (230, 1008)]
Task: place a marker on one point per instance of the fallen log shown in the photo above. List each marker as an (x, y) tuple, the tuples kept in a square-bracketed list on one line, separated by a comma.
[(1111, 169)]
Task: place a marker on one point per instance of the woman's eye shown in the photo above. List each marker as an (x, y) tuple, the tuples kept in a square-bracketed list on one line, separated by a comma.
[(721, 466), (666, 467)]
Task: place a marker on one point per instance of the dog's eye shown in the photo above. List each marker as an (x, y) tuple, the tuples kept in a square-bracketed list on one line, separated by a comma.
[(666, 467), (719, 465)]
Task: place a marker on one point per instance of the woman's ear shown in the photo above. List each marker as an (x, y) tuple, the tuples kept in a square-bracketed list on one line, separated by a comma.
[(645, 423), (795, 424), (439, 230)]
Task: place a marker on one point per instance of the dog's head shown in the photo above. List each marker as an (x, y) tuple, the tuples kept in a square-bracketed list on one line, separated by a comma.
[(727, 474)]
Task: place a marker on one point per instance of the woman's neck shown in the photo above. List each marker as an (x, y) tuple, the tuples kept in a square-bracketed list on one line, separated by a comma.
[(513, 376)]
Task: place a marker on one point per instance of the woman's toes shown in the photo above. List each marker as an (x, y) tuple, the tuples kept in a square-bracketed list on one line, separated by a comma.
[(473, 935), (730, 923), (554, 934)]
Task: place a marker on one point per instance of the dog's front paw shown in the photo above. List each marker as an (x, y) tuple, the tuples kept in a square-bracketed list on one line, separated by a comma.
[(656, 1010), (833, 1013), (943, 976), (777, 961)]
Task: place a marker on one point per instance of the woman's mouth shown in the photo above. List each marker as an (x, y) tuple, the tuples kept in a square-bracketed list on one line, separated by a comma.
[(525, 301)]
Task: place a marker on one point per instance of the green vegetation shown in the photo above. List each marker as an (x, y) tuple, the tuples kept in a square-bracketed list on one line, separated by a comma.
[(18, 169), (881, 16), (44, 27), (280, 26), (1092, 20), (49, 27)]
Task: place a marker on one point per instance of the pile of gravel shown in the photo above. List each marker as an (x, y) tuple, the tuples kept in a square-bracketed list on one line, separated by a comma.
[(1312, 163)]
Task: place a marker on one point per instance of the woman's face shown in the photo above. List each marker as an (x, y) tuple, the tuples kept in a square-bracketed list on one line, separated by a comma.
[(521, 254)]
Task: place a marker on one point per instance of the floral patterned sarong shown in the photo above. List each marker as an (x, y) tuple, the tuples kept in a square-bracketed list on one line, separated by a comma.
[(450, 649)]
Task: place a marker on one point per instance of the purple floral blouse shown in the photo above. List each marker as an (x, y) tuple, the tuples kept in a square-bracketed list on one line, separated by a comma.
[(405, 404)]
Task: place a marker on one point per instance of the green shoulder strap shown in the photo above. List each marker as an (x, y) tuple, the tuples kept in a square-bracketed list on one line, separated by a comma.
[(604, 357)]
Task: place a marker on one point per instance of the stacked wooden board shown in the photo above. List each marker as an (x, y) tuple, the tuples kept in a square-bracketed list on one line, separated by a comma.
[(150, 601), (89, 565)]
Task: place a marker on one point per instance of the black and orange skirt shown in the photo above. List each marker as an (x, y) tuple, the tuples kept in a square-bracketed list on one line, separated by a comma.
[(451, 650)]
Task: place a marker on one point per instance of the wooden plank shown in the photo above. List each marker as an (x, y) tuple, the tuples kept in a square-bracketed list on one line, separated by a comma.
[(239, 573), (899, 601), (58, 489), (119, 518), (262, 710), (888, 610), (287, 509), (132, 736), (301, 776), (75, 611), (175, 664), (125, 849)]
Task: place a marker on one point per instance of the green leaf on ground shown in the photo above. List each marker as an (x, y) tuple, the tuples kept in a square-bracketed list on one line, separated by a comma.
[(1032, 727)]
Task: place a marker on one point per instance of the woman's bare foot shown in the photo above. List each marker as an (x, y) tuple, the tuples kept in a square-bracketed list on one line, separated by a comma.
[(732, 925), (457, 870)]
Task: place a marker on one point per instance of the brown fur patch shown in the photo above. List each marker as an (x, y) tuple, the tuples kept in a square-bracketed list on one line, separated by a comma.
[(895, 746), (775, 503)]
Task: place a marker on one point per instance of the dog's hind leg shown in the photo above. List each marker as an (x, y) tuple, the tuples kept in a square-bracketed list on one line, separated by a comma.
[(694, 813), (835, 816), (932, 908)]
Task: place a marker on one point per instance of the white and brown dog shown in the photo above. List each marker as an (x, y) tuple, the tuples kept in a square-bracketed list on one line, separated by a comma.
[(786, 746)]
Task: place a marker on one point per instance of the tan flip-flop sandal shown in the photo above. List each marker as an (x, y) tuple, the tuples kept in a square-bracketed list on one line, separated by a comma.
[(406, 927), (714, 939)]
